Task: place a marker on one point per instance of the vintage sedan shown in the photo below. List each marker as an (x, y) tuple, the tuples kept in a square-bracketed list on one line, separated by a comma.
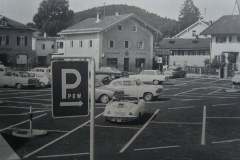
[(177, 72), (236, 78), (103, 95), (18, 80), (150, 76), (135, 88), (125, 109)]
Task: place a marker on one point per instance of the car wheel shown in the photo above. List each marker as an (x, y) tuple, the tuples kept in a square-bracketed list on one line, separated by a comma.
[(155, 82), (42, 85), (104, 98), (19, 86), (148, 96)]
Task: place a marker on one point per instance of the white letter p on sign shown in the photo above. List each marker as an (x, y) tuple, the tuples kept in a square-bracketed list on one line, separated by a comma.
[(66, 86)]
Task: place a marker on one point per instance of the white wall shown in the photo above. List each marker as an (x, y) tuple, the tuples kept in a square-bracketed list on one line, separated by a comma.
[(188, 32), (188, 60), (85, 51)]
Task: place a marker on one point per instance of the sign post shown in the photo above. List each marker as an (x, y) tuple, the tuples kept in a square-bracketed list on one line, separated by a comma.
[(72, 80)]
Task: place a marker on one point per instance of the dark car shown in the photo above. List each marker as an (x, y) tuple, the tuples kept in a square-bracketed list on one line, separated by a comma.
[(112, 72), (177, 72)]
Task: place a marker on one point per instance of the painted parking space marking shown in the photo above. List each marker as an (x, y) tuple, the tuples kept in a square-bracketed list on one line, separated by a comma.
[(224, 104), (59, 138), (157, 148), (27, 103), (226, 141), (25, 108), (139, 132), (178, 123), (178, 108), (223, 117), (118, 127), (213, 92), (63, 155), (29, 96), (17, 124), (48, 130)]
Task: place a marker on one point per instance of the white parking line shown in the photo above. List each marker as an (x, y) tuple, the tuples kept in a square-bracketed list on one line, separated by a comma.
[(27, 103), (48, 130), (118, 127), (178, 108), (177, 123), (63, 155), (14, 125), (224, 104), (59, 138), (139, 132), (155, 148), (15, 107), (213, 92), (226, 141), (223, 117)]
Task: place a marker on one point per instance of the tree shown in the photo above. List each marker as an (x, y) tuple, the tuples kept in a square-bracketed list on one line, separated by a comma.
[(53, 16), (189, 14)]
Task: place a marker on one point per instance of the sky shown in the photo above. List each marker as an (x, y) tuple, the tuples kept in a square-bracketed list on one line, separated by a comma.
[(24, 10)]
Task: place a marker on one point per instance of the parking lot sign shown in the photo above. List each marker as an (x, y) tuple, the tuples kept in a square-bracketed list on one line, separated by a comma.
[(70, 88)]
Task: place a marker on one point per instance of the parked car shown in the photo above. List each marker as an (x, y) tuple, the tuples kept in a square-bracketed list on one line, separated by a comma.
[(103, 78), (44, 80), (103, 95), (18, 80), (125, 109), (3, 69), (134, 88), (177, 72), (113, 72), (150, 76), (236, 78), (42, 70)]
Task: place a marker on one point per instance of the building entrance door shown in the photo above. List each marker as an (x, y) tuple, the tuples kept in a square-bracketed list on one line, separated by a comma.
[(126, 64)]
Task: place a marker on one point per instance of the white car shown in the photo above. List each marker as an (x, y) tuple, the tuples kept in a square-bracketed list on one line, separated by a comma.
[(43, 78), (18, 80), (236, 78), (152, 76), (125, 109), (135, 88), (42, 70)]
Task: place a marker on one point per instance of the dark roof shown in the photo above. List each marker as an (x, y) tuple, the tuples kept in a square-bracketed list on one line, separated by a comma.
[(91, 26), (229, 24), (185, 44), (12, 24)]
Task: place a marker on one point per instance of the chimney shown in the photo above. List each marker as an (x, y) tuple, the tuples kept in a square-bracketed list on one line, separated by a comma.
[(116, 14), (98, 18)]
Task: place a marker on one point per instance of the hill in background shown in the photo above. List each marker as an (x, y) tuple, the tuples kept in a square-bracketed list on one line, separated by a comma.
[(168, 27)]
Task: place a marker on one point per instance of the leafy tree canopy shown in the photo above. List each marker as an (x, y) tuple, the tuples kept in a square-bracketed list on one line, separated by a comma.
[(53, 16), (188, 14)]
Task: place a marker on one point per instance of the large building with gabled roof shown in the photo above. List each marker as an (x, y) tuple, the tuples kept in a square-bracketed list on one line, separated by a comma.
[(15, 43), (121, 41), (225, 40)]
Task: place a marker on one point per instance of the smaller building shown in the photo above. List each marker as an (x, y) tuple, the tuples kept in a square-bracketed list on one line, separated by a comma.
[(45, 48), (225, 41), (185, 52), (15, 43), (194, 30)]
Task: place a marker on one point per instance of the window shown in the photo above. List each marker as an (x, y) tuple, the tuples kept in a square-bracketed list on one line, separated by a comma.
[(140, 62), (140, 45), (119, 27), (134, 28), (81, 43), (112, 62), (71, 43), (25, 40), (52, 46), (43, 46), (126, 45), (18, 41), (111, 44), (230, 39), (4, 40), (60, 45), (194, 33), (90, 43), (22, 40), (221, 39), (238, 38), (3, 22)]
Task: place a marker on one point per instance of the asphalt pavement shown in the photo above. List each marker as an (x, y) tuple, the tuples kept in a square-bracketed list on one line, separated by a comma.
[(173, 132)]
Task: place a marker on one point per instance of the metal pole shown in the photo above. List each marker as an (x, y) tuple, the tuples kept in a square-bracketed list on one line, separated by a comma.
[(92, 116), (203, 138), (30, 121)]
